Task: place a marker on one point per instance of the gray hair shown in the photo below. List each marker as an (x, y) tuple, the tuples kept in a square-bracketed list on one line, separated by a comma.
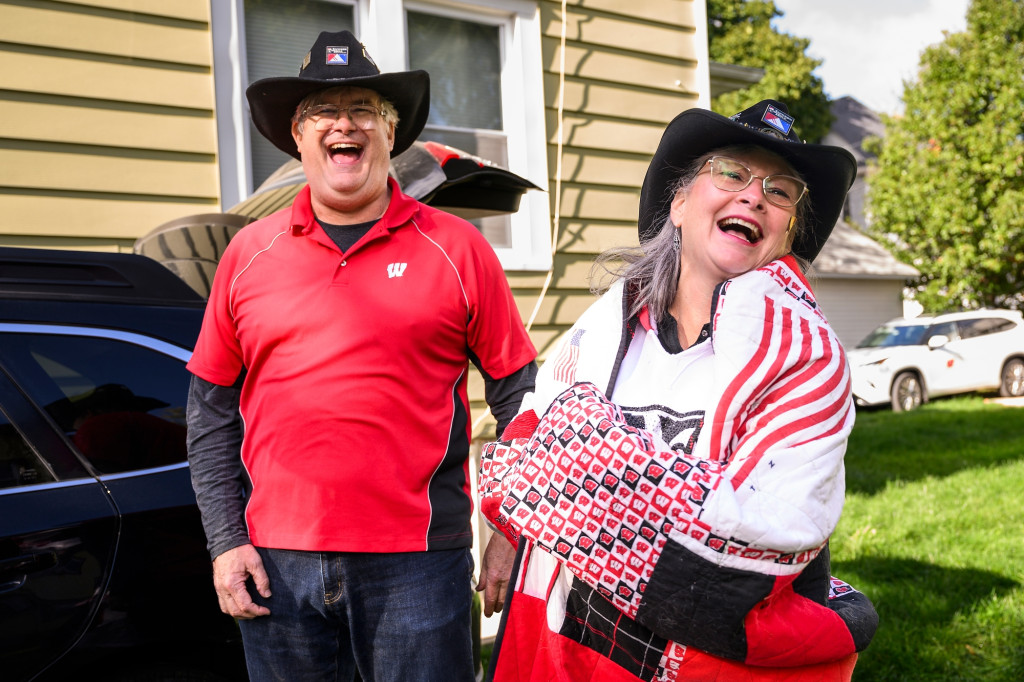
[(651, 270), (320, 96)]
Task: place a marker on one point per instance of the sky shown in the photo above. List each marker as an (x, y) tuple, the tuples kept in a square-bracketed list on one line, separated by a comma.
[(870, 47)]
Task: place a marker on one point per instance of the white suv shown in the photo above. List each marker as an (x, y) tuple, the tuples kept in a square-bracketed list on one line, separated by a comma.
[(906, 362)]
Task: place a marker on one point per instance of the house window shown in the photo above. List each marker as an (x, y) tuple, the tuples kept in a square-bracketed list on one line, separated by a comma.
[(465, 106), (484, 61), (277, 35)]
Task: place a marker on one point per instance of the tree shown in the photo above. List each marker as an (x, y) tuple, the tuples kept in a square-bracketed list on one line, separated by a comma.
[(948, 191), (740, 33)]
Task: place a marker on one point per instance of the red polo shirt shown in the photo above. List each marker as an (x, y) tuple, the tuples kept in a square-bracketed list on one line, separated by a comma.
[(357, 425)]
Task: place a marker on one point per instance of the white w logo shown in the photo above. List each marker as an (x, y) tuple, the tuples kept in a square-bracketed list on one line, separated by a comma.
[(396, 269)]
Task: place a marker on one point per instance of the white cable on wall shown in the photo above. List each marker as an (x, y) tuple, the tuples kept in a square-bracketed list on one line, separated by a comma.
[(558, 170), (556, 222)]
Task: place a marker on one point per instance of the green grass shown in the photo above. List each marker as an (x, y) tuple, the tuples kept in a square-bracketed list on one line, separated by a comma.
[(933, 533)]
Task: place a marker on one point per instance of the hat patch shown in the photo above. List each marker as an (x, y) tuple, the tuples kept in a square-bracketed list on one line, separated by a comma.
[(338, 56), (778, 119)]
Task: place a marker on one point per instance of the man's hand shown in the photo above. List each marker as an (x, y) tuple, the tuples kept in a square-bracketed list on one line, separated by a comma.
[(231, 570), (495, 572)]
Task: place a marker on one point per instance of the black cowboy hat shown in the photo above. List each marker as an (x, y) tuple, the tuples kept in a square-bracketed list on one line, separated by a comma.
[(338, 59), (828, 171)]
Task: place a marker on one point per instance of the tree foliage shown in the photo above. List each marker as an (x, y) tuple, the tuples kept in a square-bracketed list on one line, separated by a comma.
[(948, 190), (740, 33)]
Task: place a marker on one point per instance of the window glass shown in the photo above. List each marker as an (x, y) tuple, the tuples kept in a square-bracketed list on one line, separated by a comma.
[(898, 335), (487, 95), (122, 405), (463, 59), (277, 35), (946, 328), (999, 325), (19, 464), (980, 326)]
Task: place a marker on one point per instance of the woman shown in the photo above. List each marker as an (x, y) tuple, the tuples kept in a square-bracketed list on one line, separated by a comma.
[(675, 477)]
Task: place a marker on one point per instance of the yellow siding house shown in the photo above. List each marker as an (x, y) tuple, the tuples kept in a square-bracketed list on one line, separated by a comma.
[(106, 120), (117, 116)]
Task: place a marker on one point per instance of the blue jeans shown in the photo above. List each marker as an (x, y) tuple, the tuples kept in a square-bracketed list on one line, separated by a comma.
[(393, 617)]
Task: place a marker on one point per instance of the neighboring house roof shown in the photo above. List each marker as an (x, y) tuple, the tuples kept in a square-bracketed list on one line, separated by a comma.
[(849, 253), (728, 77), (853, 123)]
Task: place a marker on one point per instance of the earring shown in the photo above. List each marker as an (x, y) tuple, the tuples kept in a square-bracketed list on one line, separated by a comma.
[(792, 222), (676, 240)]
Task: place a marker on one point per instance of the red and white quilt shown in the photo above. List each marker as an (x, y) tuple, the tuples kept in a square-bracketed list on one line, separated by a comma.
[(664, 550)]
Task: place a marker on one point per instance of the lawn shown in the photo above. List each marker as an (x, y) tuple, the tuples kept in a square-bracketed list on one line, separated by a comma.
[(933, 533)]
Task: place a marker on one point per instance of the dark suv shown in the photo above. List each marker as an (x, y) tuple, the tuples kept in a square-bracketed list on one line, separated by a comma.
[(104, 572)]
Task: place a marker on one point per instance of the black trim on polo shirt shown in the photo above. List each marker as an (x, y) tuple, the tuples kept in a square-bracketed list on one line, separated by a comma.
[(450, 507)]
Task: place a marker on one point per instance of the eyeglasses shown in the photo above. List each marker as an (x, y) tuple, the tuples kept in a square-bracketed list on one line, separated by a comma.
[(324, 116), (730, 175)]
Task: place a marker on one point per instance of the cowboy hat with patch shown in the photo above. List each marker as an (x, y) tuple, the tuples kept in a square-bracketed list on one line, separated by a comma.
[(338, 59), (828, 171)]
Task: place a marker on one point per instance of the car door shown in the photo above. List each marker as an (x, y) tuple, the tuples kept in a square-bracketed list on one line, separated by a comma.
[(943, 366), (983, 346), (58, 535), (119, 400)]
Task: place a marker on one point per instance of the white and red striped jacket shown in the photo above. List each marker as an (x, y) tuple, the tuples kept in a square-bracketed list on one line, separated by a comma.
[(679, 530)]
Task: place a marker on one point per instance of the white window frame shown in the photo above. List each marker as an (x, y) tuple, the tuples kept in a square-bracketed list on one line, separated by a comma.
[(231, 78), (381, 27)]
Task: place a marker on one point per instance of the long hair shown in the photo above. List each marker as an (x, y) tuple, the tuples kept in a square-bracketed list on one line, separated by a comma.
[(651, 270)]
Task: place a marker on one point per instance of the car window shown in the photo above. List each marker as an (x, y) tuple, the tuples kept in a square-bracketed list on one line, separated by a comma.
[(19, 464), (122, 405), (896, 335), (980, 326), (947, 329)]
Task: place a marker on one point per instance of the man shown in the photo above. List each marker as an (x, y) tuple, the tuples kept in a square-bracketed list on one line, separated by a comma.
[(338, 333)]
